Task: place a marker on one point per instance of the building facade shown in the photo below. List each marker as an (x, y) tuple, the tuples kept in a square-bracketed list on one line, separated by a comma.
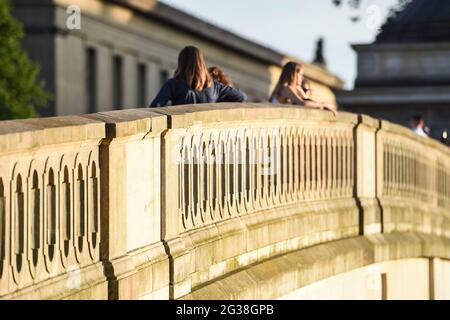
[(406, 71), (124, 50)]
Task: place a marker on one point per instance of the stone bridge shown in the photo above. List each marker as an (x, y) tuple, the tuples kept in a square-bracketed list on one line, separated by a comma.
[(226, 201)]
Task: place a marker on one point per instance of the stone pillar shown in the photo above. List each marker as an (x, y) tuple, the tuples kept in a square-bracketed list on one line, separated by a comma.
[(366, 175), (135, 260)]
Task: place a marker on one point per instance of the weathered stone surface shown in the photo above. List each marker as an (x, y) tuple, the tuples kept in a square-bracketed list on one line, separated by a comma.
[(276, 277)]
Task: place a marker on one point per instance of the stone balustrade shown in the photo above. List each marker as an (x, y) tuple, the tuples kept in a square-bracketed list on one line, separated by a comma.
[(50, 205), (414, 187), (156, 203)]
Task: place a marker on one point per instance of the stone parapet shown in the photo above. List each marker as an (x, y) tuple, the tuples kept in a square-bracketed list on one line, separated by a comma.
[(161, 203)]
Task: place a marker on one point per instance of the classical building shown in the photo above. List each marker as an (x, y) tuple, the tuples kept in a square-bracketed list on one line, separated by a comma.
[(125, 49), (406, 71)]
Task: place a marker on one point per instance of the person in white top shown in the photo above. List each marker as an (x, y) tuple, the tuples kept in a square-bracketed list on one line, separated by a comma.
[(417, 125)]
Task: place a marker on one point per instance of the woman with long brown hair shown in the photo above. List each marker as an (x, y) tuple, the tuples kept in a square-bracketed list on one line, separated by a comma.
[(217, 74), (193, 84), (289, 91)]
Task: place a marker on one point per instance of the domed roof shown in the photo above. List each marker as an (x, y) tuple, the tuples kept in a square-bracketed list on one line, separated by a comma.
[(420, 21)]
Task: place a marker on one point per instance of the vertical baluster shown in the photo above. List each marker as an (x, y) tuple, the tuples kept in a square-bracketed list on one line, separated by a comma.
[(292, 166), (282, 154), (411, 173), (401, 168), (273, 169), (395, 184), (247, 175), (194, 182), (215, 171), (270, 168), (19, 224), (66, 224), (419, 178), (240, 178), (80, 206), (223, 177), (51, 212), (407, 171), (264, 164), (416, 176), (339, 160), (34, 239), (185, 191), (344, 165), (256, 180), (329, 141), (308, 165), (391, 167), (93, 210), (334, 146), (313, 164), (407, 175), (296, 165), (203, 196), (283, 170), (231, 176), (302, 165), (318, 165), (324, 164)]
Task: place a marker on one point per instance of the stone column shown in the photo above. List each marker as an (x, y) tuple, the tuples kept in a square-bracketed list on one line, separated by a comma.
[(134, 257), (367, 173)]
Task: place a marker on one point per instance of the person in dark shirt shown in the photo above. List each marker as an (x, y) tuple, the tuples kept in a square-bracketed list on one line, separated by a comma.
[(193, 84)]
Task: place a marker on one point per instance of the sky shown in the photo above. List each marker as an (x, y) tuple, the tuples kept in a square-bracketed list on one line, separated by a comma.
[(292, 27)]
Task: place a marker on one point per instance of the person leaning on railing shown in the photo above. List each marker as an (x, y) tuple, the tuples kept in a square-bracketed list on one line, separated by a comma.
[(193, 84), (289, 89)]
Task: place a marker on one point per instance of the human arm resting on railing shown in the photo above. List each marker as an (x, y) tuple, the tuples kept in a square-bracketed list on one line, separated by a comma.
[(320, 105), (164, 95), (294, 97), (229, 94)]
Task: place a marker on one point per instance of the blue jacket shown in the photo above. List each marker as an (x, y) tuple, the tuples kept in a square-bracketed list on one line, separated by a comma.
[(179, 93)]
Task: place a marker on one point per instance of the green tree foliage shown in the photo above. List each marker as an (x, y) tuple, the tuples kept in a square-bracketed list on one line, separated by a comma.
[(20, 91)]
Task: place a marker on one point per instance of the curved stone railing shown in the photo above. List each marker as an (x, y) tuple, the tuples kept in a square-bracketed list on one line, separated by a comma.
[(156, 203), (246, 184), (414, 189), (244, 168)]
